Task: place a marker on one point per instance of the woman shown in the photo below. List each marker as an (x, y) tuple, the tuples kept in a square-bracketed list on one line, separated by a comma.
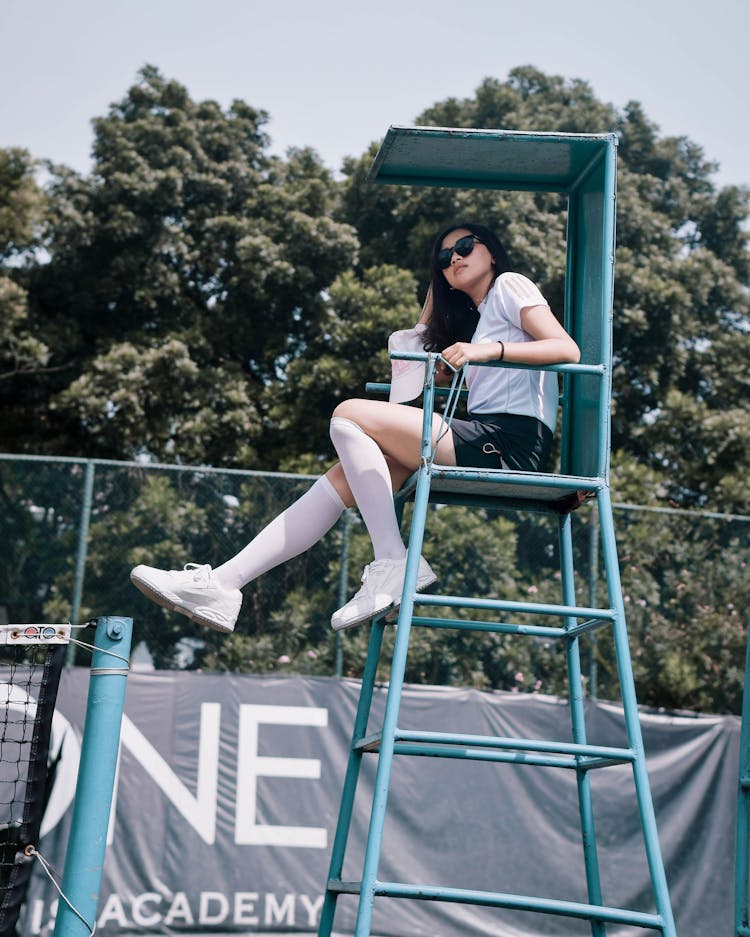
[(478, 310)]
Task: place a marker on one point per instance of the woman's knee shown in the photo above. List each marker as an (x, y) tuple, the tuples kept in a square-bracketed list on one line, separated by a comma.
[(349, 409)]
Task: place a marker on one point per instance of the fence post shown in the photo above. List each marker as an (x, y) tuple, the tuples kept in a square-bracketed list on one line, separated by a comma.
[(83, 539)]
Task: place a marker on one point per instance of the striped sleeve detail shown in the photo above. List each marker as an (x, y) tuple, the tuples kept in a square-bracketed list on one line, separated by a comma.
[(522, 290)]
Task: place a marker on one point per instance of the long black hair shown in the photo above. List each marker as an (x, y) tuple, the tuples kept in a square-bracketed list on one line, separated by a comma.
[(454, 315)]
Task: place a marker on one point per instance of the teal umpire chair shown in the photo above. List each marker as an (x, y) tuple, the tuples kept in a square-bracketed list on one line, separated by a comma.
[(583, 166)]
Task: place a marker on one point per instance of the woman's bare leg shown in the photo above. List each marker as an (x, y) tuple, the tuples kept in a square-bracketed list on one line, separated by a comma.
[(307, 520), (379, 445), (392, 435), (370, 438), (397, 429)]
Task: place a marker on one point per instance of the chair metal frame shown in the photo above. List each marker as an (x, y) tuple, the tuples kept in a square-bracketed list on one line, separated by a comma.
[(584, 166)]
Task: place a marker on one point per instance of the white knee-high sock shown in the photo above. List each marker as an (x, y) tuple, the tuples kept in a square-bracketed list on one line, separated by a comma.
[(370, 481), (295, 530)]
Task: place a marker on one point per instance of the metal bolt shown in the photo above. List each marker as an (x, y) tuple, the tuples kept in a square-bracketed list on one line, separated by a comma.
[(115, 630)]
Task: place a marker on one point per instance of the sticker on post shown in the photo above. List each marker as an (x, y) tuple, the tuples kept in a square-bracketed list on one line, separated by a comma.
[(35, 634)]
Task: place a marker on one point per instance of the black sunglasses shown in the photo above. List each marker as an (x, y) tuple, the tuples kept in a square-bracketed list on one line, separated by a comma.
[(463, 247)]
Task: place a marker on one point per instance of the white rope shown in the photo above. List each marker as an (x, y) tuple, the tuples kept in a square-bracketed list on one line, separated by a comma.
[(91, 623), (32, 851), (104, 650), (450, 407)]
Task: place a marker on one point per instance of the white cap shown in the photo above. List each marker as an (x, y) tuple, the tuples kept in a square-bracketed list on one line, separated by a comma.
[(407, 377)]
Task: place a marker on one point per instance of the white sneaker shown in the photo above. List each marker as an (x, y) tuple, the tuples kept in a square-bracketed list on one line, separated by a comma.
[(193, 591), (382, 585)]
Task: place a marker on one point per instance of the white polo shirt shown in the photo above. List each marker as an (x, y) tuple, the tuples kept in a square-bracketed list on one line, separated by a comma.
[(506, 390)]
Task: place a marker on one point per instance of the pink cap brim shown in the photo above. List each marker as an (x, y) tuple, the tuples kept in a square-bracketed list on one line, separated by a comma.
[(407, 377)]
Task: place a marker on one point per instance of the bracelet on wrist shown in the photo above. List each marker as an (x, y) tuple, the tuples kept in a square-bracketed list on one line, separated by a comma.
[(502, 350)]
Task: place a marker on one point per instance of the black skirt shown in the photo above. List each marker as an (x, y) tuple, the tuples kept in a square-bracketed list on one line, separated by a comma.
[(502, 440)]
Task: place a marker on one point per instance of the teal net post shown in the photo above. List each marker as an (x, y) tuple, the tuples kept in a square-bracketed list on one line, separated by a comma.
[(84, 859)]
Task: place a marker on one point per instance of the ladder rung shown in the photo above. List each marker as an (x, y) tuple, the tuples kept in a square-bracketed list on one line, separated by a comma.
[(500, 627), (591, 624), (589, 912), (503, 757), (462, 746), (506, 605)]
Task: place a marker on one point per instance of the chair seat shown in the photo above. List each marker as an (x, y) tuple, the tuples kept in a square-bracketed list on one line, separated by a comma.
[(502, 487)]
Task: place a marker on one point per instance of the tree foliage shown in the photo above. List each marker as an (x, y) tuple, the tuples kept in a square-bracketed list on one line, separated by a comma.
[(182, 275), (196, 300), (22, 353)]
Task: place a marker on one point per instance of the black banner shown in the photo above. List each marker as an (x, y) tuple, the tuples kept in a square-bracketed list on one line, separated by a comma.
[(228, 789)]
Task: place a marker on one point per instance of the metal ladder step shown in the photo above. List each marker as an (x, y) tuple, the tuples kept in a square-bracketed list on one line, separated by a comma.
[(593, 618), (503, 627), (589, 912), (507, 605), (537, 752)]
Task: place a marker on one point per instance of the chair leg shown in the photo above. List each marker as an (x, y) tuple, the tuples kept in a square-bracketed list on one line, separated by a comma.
[(595, 910), (578, 718), (352, 777), (390, 716), (630, 710)]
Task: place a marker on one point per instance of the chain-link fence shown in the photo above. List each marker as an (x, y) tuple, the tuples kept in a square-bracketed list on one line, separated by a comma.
[(73, 528)]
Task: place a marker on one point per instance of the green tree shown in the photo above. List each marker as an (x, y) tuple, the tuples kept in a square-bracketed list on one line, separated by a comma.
[(195, 299), (183, 274), (22, 353), (347, 350)]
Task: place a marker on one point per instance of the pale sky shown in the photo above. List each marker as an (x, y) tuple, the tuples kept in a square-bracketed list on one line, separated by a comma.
[(334, 74)]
